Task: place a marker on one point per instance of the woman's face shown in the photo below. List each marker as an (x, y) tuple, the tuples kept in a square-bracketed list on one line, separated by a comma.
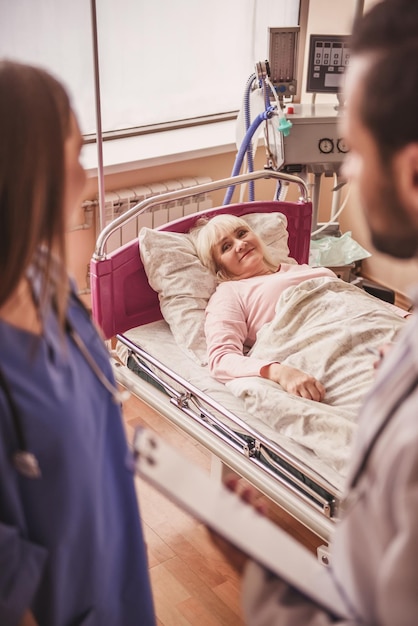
[(239, 253), (75, 175)]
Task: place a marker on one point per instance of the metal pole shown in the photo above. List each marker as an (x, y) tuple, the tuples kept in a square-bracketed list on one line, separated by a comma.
[(359, 10), (100, 172)]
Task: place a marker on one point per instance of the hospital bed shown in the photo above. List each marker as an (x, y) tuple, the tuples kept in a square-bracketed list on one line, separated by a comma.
[(150, 362)]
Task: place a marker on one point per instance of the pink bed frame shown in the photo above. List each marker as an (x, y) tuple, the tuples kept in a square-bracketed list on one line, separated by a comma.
[(121, 295)]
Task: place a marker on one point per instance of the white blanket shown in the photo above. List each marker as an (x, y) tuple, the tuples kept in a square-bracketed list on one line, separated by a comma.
[(323, 327)]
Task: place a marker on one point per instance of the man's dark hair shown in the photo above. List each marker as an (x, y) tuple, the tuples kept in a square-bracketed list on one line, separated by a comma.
[(389, 32), (385, 26)]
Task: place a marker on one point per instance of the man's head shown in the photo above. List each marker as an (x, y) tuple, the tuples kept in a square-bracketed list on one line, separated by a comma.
[(381, 123)]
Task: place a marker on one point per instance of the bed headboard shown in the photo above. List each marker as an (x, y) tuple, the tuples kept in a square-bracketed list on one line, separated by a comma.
[(121, 295)]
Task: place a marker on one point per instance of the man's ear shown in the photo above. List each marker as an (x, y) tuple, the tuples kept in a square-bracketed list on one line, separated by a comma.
[(406, 178)]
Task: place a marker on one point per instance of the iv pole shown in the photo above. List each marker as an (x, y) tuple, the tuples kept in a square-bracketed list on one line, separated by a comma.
[(100, 172)]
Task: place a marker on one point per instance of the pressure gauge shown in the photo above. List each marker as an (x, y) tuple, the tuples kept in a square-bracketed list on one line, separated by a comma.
[(326, 145), (342, 146)]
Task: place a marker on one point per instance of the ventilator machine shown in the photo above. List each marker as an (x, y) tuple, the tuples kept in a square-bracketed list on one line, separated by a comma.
[(301, 139)]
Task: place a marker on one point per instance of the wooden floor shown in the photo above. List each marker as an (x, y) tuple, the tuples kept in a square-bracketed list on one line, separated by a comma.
[(191, 581)]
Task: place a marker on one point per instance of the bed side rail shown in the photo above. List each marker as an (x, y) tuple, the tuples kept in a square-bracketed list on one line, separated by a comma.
[(227, 425), (121, 296), (148, 203)]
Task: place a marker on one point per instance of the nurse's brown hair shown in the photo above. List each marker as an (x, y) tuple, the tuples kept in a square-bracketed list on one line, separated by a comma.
[(34, 123)]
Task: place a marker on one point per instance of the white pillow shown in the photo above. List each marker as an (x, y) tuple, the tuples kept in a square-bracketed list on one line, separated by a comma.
[(184, 285)]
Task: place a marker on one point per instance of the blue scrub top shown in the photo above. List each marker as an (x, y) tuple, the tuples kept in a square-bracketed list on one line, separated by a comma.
[(71, 543)]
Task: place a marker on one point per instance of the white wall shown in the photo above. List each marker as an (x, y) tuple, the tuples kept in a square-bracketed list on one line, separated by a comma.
[(327, 17), (335, 17), (324, 17)]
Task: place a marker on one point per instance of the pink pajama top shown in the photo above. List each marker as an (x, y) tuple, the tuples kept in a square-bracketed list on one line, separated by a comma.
[(236, 312)]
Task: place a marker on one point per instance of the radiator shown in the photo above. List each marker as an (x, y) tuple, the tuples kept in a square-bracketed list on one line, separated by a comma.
[(120, 200)]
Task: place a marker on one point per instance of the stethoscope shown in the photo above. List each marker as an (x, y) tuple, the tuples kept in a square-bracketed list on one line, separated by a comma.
[(23, 460)]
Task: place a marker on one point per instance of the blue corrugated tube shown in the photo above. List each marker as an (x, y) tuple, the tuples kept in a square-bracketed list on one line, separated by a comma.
[(247, 117), (246, 143)]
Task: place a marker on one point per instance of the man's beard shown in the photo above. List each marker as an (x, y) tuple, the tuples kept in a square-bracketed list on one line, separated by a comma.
[(400, 241), (405, 247)]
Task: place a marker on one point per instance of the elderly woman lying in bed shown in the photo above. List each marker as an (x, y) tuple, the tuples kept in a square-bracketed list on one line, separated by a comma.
[(246, 298), (307, 330), (289, 340)]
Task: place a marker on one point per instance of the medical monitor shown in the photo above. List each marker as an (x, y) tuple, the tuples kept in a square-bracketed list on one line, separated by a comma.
[(283, 54), (328, 58)]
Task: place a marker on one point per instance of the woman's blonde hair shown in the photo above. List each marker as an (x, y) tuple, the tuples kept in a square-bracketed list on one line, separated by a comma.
[(208, 231)]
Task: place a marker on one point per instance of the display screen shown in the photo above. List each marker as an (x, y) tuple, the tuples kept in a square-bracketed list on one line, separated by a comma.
[(328, 58)]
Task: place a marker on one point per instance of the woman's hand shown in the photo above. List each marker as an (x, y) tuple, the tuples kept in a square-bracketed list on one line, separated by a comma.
[(294, 381)]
